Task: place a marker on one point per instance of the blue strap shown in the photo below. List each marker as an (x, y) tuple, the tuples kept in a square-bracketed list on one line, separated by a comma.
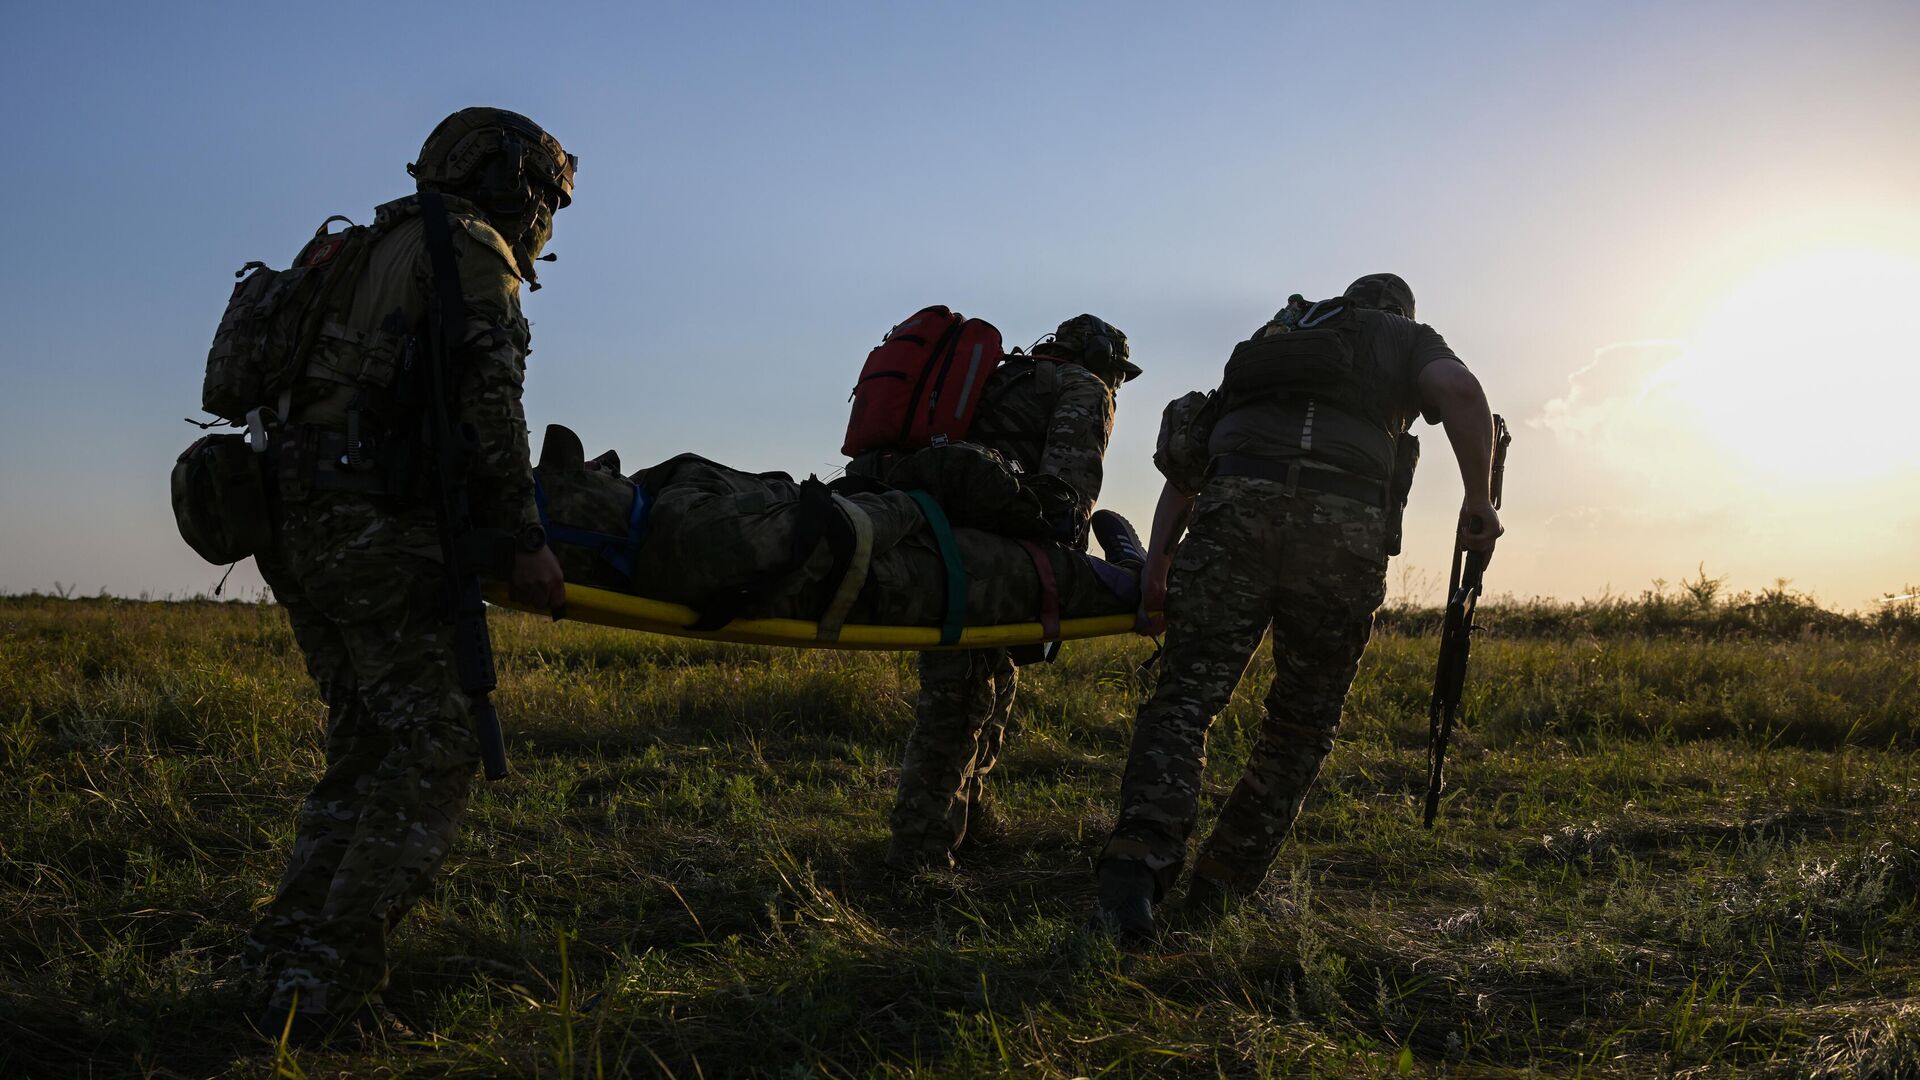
[(618, 552), (956, 613)]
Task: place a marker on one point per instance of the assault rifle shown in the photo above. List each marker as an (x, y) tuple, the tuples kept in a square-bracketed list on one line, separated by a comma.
[(1456, 637), (464, 550)]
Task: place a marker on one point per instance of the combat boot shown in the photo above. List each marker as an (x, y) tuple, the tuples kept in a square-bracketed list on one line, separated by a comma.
[(371, 1023), (986, 825), (1208, 900), (1124, 906), (903, 857)]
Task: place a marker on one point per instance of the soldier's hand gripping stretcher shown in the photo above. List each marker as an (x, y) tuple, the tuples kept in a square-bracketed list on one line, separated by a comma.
[(950, 538), (1169, 522)]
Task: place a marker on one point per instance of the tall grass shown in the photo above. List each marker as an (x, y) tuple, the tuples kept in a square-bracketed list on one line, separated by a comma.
[(1674, 843), (1697, 608)]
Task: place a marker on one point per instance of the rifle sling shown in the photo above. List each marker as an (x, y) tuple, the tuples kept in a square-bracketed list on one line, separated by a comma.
[(449, 312), (472, 648)]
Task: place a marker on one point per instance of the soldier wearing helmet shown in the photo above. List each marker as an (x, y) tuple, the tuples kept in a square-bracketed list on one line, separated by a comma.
[(356, 549), (515, 173), (1382, 292), (1050, 410), (1286, 474)]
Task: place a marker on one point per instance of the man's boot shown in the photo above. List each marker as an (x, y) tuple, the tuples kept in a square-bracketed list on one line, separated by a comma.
[(986, 826), (913, 856), (1208, 899), (370, 1023), (1124, 907)]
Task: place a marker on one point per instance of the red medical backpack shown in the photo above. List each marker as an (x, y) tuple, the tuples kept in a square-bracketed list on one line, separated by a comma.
[(922, 384)]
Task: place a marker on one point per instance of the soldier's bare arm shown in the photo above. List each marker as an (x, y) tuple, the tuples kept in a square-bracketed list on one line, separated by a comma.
[(1448, 390), (1170, 516)]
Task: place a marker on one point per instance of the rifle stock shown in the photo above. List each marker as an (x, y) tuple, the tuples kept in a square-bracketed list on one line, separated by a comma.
[(1464, 583)]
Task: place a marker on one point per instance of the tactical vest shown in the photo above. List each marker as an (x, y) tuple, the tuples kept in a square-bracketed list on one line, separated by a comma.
[(1320, 364), (994, 428), (1314, 355)]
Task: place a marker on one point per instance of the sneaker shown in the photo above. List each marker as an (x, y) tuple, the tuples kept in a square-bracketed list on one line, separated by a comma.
[(1124, 907), (1118, 541)]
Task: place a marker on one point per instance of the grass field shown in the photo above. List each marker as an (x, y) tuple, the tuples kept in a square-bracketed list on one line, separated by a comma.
[(1684, 839)]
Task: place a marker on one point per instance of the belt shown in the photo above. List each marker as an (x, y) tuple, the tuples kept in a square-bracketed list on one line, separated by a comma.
[(308, 458), (331, 471), (1299, 477)]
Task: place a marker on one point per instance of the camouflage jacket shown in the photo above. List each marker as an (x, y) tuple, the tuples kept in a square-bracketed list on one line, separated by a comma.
[(359, 350), (1053, 417)]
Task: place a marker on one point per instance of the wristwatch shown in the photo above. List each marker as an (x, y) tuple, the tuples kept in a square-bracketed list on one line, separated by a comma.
[(530, 539)]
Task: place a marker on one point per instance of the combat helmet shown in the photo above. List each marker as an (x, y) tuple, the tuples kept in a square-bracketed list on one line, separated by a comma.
[(505, 164), (1096, 345), (1386, 292)]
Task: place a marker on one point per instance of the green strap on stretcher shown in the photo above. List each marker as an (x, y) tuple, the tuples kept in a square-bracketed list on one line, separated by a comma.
[(956, 612)]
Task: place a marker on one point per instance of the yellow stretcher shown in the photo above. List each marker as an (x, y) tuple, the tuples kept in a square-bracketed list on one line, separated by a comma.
[(605, 607)]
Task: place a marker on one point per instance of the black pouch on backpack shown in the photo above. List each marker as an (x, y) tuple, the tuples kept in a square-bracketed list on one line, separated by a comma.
[(220, 499), (1309, 362)]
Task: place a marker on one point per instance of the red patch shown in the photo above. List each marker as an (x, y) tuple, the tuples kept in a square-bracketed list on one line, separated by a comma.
[(323, 249)]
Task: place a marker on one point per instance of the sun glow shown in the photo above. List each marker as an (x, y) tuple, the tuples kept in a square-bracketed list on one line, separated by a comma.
[(1810, 367)]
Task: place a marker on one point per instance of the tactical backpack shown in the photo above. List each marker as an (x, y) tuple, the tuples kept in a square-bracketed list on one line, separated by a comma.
[(922, 385), (274, 317), (265, 336), (1314, 358), (1180, 450)]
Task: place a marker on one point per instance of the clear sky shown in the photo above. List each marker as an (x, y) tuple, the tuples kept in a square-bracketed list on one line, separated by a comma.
[(1680, 243)]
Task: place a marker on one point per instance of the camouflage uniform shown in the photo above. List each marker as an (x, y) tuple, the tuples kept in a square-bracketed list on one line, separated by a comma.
[(1262, 553), (360, 578), (1313, 566), (1052, 417)]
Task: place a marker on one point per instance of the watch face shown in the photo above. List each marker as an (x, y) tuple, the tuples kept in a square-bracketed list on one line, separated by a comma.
[(532, 539)]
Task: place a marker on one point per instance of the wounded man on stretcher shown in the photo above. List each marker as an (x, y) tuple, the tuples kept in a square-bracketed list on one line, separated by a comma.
[(949, 536)]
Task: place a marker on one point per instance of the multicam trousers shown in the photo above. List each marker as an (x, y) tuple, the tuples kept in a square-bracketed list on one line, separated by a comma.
[(368, 610), (1313, 568), (959, 729)]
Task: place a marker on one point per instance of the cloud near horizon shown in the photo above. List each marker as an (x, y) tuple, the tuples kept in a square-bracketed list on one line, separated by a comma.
[(1627, 427), (1647, 483)]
